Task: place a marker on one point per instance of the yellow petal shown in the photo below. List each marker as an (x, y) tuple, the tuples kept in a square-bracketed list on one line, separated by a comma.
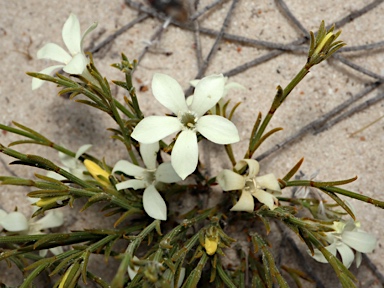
[(210, 245), (96, 171)]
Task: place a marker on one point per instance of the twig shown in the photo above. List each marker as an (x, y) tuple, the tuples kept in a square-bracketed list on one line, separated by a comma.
[(283, 6), (316, 124), (154, 37), (358, 67), (118, 33), (373, 268), (350, 112), (205, 9), (218, 39)]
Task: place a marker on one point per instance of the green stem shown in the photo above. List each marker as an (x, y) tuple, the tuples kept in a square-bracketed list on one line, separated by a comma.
[(278, 100)]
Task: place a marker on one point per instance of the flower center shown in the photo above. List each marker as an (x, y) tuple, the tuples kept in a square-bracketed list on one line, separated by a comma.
[(149, 176), (188, 119), (250, 185)]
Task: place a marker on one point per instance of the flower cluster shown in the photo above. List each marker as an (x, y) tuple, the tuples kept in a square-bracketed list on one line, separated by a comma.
[(16, 222)]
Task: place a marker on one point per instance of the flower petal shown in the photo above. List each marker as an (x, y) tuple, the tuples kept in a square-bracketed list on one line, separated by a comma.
[(253, 167), (52, 219), (154, 128), (229, 180), (346, 253), (76, 65), (232, 85), (166, 173), (132, 272), (266, 198), (217, 129), (148, 153), (15, 222), (154, 205), (169, 93), (54, 52), (358, 259), (89, 29), (269, 182), (318, 256), (55, 251), (184, 155), (360, 241), (131, 183), (36, 82), (245, 203), (208, 92), (82, 150), (129, 169), (71, 34), (55, 176)]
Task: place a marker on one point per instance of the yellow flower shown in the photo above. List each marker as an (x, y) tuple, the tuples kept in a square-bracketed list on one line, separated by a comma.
[(96, 171), (210, 245)]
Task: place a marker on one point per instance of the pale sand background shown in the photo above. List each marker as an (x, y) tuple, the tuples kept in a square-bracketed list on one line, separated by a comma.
[(25, 26)]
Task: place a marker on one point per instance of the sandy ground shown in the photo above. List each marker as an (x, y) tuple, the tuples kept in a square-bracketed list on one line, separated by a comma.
[(25, 26)]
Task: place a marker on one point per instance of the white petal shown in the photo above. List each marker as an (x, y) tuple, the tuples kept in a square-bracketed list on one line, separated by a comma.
[(82, 150), (15, 222), (217, 129), (185, 154), (265, 198), (360, 241), (245, 203), (269, 182), (54, 52), (166, 174), (346, 253), (76, 65), (55, 250), (148, 153), (194, 82), (253, 166), (129, 169), (132, 183), (318, 256), (208, 92), (52, 219), (3, 213), (229, 180), (232, 85), (71, 34), (36, 82), (90, 29), (169, 93), (68, 161), (154, 205), (56, 176), (181, 277), (154, 128), (132, 272), (358, 259)]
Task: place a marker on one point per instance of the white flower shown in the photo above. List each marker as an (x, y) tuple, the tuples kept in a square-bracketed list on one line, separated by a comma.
[(72, 165), (262, 187), (190, 120), (147, 178), (75, 61), (347, 236), (16, 222), (221, 102)]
